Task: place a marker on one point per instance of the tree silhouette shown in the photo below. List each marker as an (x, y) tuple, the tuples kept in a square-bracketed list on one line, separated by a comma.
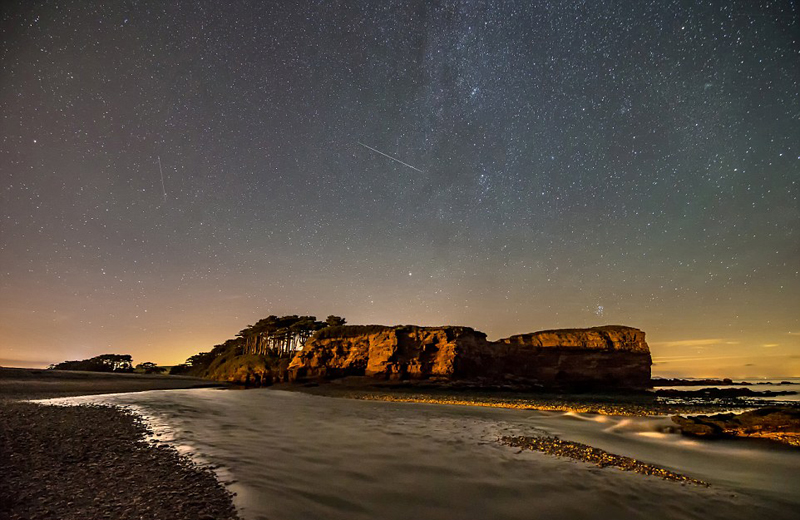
[(281, 336), (335, 321), (273, 339), (102, 363), (148, 367)]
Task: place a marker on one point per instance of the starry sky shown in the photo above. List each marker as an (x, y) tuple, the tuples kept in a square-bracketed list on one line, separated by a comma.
[(174, 171)]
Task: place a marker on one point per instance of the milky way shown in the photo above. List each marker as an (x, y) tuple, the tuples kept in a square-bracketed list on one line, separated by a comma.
[(575, 164)]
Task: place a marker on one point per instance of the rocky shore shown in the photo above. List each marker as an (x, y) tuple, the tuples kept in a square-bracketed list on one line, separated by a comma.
[(585, 453), (612, 403), (776, 424), (95, 462), (660, 381), (720, 393), (86, 462), (780, 424)]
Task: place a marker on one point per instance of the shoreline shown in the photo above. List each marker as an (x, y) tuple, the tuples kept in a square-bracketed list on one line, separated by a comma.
[(35, 383), (77, 462), (603, 403), (103, 449), (623, 404), (91, 461)]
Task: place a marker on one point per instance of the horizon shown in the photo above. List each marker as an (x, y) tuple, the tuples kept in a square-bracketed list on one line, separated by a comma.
[(658, 369)]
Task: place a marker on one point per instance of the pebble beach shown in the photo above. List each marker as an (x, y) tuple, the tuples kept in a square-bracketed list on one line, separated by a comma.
[(86, 462)]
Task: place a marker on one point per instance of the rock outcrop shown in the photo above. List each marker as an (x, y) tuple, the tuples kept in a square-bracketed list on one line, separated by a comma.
[(406, 352), (611, 356), (775, 423)]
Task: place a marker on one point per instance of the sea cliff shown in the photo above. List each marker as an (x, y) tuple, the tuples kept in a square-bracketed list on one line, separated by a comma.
[(610, 356)]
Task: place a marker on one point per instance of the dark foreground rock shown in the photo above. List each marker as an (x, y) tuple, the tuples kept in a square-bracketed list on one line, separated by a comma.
[(779, 424), (658, 381), (483, 394), (592, 455), (87, 462), (720, 393)]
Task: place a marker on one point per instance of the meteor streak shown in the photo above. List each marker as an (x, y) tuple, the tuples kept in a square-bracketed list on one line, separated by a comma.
[(390, 157), (162, 178)]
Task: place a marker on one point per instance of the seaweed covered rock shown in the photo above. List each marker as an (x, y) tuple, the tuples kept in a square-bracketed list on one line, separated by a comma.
[(776, 423)]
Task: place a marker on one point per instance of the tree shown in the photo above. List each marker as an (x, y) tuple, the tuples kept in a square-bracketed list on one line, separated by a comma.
[(102, 363), (181, 369), (149, 367), (117, 362), (278, 336), (335, 321)]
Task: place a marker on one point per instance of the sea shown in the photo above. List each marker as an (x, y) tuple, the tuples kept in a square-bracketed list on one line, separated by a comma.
[(785, 384), (294, 456)]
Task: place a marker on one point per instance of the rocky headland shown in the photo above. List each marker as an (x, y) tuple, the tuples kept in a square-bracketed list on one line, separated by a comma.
[(611, 356)]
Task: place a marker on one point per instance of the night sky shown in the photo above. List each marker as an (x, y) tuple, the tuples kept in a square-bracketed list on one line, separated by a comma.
[(510, 166)]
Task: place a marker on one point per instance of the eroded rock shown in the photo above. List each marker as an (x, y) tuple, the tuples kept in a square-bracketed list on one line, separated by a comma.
[(613, 356), (781, 424)]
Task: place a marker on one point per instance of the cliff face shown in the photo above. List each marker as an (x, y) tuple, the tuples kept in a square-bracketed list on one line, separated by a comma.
[(610, 337), (385, 352), (613, 356)]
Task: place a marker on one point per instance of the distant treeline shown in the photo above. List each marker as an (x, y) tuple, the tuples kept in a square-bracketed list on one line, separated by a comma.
[(258, 355), (109, 363)]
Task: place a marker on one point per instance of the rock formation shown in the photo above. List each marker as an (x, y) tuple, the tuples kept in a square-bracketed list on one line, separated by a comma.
[(775, 423), (612, 356), (602, 356)]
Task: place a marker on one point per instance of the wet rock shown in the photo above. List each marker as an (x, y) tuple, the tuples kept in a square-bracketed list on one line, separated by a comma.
[(574, 450), (698, 382), (780, 424), (721, 393)]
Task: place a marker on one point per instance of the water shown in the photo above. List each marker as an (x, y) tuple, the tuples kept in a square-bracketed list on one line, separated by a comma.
[(296, 456), (792, 384)]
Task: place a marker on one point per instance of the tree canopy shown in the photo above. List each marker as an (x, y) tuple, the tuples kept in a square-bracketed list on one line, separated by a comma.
[(101, 363), (273, 336), (148, 367)]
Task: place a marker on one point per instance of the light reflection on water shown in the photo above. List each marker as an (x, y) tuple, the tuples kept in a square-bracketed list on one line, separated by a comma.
[(295, 456)]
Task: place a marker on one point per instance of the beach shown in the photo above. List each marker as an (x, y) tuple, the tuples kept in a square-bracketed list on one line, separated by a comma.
[(353, 450), (34, 383), (290, 455), (81, 462)]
